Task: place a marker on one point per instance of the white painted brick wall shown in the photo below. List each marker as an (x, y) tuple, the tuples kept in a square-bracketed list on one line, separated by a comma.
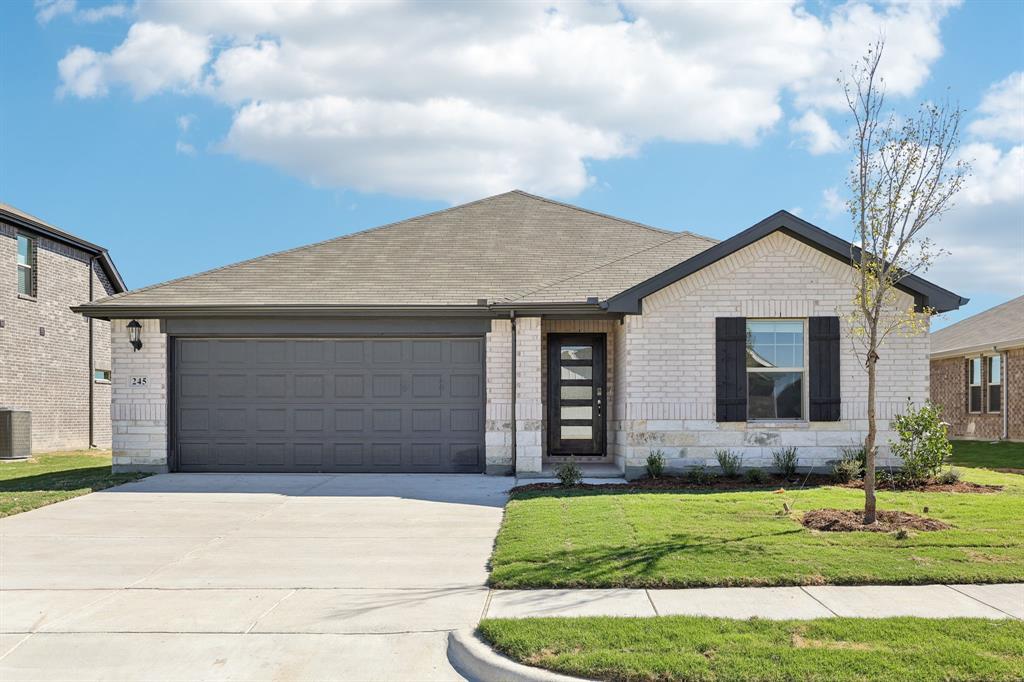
[(139, 413), (666, 381)]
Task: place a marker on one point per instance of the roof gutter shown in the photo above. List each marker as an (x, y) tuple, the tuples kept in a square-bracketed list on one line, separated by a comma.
[(978, 349), (50, 232), (112, 310)]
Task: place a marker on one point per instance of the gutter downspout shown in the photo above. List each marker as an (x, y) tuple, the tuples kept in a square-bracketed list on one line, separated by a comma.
[(1006, 394), (512, 319), (92, 389)]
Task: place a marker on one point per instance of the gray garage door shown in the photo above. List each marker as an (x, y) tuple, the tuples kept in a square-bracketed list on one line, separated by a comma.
[(343, 405)]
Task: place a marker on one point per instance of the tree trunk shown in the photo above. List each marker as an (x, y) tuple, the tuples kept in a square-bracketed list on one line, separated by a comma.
[(869, 442)]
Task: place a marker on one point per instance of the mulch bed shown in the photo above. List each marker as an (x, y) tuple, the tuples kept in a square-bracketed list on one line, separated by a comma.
[(958, 487), (682, 483), (849, 520)]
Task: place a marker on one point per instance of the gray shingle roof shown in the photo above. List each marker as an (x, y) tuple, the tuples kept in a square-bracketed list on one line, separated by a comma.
[(1000, 326), (510, 247)]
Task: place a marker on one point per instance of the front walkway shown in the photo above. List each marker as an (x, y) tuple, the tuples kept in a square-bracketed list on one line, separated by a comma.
[(777, 603), (254, 577)]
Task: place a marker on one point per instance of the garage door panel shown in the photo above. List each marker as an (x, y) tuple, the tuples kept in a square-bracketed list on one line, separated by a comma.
[(329, 405)]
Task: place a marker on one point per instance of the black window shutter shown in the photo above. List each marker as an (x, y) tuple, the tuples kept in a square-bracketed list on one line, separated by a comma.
[(730, 369), (824, 368)]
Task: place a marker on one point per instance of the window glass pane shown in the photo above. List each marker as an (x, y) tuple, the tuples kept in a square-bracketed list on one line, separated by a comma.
[(24, 250), (576, 392), (577, 353), (975, 399), (775, 343), (24, 281), (576, 433), (101, 374), (578, 373), (975, 371), (995, 398), (577, 412), (774, 395), (995, 373)]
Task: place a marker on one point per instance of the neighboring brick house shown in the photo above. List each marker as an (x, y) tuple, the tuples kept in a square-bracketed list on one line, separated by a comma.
[(507, 334), (45, 348), (977, 373)]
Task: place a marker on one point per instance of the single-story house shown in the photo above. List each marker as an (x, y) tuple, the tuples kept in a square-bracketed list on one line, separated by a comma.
[(53, 363), (977, 373), (507, 334)]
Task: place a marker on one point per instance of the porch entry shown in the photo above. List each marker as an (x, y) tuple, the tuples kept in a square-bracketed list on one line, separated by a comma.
[(577, 395)]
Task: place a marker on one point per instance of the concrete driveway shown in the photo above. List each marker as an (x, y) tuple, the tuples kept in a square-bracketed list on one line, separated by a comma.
[(248, 577)]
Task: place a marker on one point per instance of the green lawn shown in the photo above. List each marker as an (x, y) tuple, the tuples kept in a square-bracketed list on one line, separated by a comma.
[(590, 538), (707, 649), (48, 478), (981, 453)]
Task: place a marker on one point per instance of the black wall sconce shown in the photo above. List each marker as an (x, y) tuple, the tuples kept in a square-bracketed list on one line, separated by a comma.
[(135, 334)]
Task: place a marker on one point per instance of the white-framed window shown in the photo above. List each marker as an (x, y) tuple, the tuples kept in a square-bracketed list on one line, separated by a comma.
[(101, 375), (994, 374), (776, 369), (26, 265), (974, 384)]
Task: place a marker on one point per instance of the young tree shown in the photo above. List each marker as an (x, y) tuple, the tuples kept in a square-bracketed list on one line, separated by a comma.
[(904, 176)]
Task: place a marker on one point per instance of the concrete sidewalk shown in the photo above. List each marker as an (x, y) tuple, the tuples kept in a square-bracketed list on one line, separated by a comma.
[(776, 603)]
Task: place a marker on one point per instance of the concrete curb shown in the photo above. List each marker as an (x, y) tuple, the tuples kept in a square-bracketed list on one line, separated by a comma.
[(477, 661)]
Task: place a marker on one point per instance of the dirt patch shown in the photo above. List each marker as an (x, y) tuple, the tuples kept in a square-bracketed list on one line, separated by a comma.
[(849, 520), (681, 483), (958, 487), (800, 643)]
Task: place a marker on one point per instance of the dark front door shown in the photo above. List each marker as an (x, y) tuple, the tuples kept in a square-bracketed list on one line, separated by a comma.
[(576, 394)]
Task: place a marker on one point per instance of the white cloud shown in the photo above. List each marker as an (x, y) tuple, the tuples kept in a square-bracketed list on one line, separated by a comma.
[(816, 134), (96, 14), (1003, 109), (984, 232), (834, 204), (152, 58), (184, 148), (494, 95), (185, 122), (48, 10)]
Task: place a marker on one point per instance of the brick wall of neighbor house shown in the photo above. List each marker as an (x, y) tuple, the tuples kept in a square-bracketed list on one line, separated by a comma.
[(949, 390), (48, 371), (139, 412), (667, 395)]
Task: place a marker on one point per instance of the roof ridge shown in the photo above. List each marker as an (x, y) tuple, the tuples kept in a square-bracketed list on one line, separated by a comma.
[(294, 249), (660, 230), (678, 235)]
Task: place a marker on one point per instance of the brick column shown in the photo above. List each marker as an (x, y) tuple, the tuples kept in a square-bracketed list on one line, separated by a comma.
[(499, 398), (139, 412), (529, 390)]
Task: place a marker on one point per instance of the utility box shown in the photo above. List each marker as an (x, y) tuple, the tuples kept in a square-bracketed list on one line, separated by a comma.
[(15, 433)]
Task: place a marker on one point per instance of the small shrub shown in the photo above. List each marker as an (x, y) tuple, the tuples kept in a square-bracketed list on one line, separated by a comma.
[(756, 475), (569, 474), (656, 464), (730, 462), (700, 476), (923, 443), (950, 476), (846, 470), (785, 461), (856, 455)]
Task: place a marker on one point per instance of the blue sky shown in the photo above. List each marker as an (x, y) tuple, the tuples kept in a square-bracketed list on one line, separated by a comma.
[(184, 139)]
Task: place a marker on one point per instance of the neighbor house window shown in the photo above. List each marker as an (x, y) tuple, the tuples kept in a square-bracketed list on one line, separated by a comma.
[(974, 385), (775, 369), (101, 374), (26, 265), (995, 383)]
